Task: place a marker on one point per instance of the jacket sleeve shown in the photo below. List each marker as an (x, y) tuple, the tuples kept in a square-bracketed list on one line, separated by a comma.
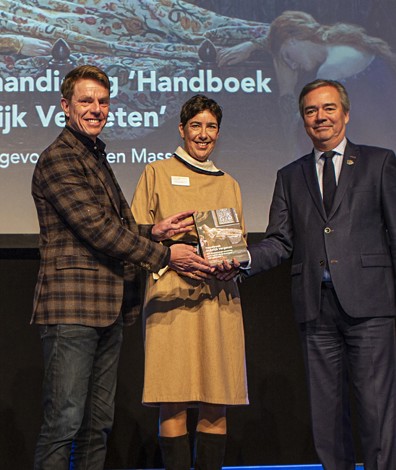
[(70, 187), (277, 244)]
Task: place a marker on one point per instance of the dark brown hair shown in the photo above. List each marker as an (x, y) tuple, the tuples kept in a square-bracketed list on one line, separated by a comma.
[(198, 104)]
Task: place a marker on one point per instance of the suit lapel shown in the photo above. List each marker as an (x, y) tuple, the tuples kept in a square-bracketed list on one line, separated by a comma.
[(124, 211), (350, 158), (93, 163), (349, 161), (311, 178)]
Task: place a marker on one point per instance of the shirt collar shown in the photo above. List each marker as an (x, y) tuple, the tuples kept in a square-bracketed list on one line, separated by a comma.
[(339, 150), (97, 147), (208, 165)]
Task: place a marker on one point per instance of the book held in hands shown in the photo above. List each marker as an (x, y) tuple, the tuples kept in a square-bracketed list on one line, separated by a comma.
[(220, 236)]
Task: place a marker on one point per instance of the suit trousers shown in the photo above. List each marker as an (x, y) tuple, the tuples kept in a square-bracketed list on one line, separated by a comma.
[(80, 374), (339, 352)]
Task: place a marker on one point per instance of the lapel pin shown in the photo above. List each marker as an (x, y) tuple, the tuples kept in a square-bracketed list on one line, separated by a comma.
[(350, 162)]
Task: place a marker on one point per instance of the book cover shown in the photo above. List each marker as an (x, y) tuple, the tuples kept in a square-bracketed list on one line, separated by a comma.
[(220, 236)]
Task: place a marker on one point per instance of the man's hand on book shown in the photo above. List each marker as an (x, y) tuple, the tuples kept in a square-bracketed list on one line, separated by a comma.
[(227, 271)]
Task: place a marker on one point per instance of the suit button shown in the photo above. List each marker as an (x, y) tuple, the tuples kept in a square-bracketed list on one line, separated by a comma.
[(327, 230), (322, 262)]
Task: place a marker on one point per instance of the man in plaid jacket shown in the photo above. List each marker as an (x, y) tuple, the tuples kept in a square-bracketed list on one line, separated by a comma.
[(88, 283)]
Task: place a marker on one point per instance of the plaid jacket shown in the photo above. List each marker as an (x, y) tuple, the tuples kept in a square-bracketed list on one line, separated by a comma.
[(91, 250)]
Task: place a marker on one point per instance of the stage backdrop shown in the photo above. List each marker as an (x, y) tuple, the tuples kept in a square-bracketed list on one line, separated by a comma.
[(159, 53)]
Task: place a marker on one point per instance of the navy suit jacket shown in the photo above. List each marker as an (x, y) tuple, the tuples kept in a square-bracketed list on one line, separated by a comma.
[(357, 240)]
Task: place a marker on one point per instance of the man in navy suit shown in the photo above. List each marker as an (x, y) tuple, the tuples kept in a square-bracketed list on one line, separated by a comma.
[(343, 278)]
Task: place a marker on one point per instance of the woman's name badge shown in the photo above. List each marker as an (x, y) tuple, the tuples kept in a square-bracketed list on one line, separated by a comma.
[(180, 180)]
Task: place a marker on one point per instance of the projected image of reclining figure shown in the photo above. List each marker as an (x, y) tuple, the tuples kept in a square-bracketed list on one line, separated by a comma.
[(366, 65), (165, 36)]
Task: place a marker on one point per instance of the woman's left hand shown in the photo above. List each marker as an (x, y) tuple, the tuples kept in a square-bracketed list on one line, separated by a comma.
[(172, 226), (196, 275)]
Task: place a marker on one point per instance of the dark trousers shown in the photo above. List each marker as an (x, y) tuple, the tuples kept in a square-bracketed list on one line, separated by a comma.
[(340, 350), (80, 374)]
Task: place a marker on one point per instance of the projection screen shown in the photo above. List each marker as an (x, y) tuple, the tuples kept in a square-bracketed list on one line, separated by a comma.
[(159, 53)]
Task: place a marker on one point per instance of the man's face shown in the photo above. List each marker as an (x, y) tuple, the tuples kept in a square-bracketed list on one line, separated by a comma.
[(200, 135), (324, 119), (88, 108)]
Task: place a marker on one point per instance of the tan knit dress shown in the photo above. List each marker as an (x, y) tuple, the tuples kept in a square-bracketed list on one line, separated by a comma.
[(194, 338)]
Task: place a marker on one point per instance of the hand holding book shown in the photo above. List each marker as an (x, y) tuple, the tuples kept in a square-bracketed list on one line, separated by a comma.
[(220, 236)]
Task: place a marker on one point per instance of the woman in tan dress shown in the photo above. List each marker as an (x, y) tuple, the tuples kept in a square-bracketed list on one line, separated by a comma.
[(194, 339)]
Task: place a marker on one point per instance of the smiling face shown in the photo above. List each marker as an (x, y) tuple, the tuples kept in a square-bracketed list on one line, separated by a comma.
[(200, 135), (88, 108), (324, 118)]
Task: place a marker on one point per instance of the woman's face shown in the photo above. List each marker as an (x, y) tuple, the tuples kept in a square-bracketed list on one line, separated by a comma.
[(304, 55), (200, 135)]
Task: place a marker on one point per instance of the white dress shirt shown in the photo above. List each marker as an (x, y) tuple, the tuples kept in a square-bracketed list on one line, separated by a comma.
[(337, 161)]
